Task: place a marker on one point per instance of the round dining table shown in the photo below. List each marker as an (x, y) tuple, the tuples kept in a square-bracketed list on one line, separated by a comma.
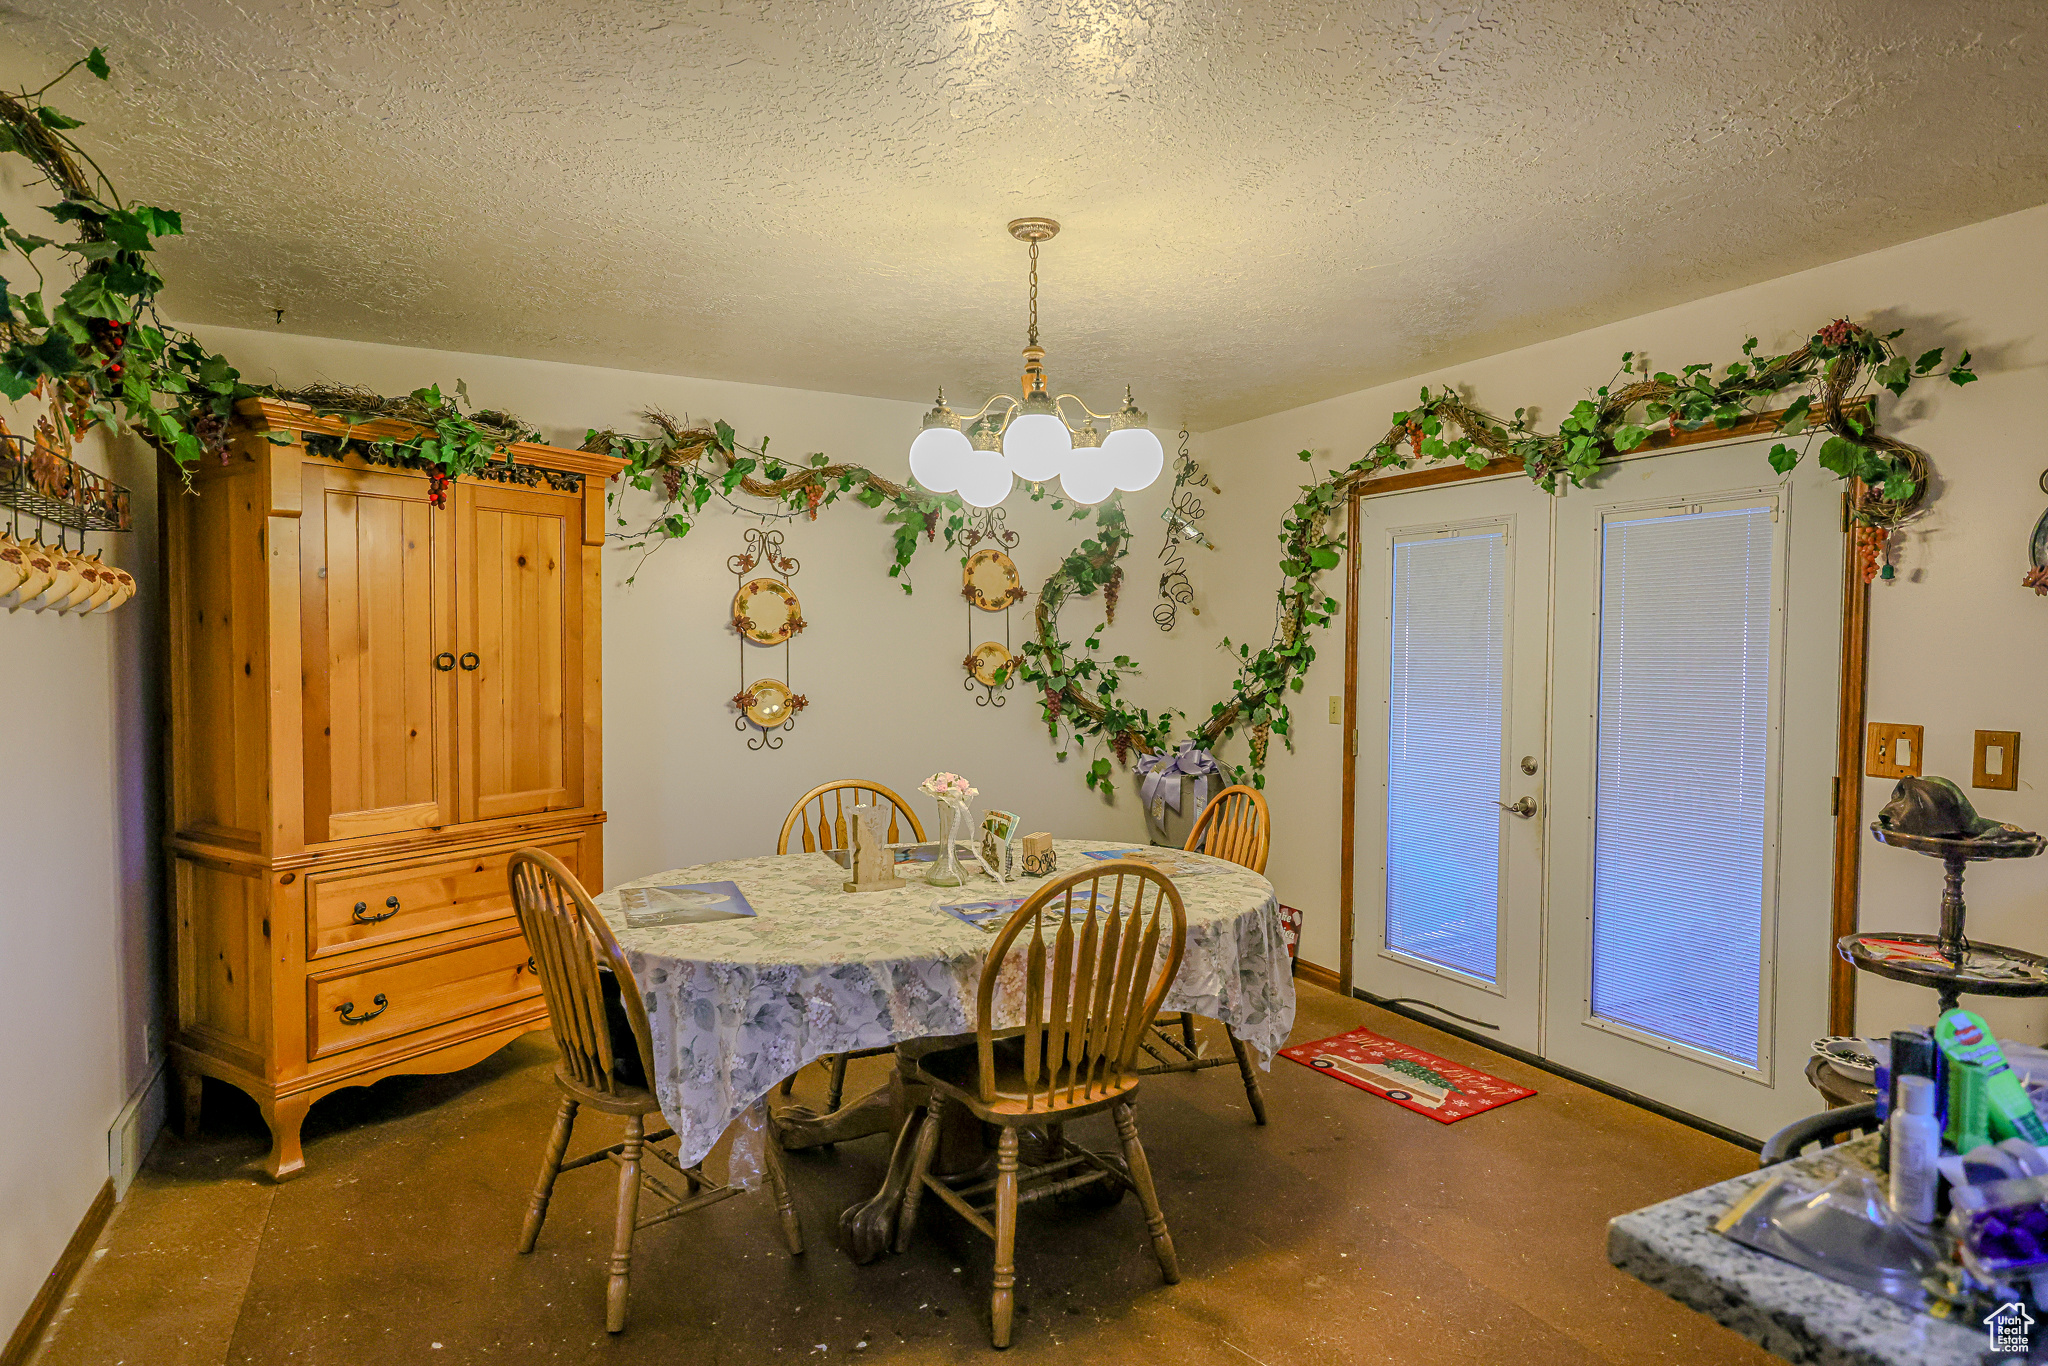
[(736, 1005)]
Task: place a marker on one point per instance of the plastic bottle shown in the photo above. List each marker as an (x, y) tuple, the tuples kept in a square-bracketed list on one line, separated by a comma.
[(1915, 1148)]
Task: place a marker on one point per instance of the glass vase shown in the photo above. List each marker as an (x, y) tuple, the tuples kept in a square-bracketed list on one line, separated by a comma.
[(946, 872)]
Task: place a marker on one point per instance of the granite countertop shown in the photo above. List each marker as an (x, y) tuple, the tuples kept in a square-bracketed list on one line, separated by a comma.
[(1785, 1309)]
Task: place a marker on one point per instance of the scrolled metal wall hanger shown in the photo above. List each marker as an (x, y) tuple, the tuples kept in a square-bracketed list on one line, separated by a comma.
[(1183, 509), (765, 612), (989, 582)]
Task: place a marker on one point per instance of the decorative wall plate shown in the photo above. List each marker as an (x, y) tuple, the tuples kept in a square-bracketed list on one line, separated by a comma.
[(991, 580), (769, 703), (986, 659), (766, 612)]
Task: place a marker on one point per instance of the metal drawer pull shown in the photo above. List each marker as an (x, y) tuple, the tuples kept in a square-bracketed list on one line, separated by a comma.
[(444, 661), (346, 1006), (362, 907), (470, 659)]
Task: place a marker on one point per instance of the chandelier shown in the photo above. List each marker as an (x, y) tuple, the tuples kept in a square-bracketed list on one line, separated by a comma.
[(1032, 438)]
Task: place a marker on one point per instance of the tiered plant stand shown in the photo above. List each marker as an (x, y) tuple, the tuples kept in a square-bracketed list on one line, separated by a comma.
[(1949, 962)]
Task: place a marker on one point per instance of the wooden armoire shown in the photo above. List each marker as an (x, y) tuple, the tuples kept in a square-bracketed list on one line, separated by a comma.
[(378, 690)]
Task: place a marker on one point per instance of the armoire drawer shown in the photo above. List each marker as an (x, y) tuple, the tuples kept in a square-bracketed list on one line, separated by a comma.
[(365, 1005), (359, 910)]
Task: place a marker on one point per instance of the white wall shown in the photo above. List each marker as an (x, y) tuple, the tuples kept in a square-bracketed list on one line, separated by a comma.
[(79, 928), (1956, 643), (881, 669)]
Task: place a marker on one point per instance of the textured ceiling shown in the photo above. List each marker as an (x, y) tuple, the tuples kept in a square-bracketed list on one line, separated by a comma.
[(1265, 203)]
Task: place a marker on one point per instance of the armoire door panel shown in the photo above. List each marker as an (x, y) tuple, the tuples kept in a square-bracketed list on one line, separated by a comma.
[(376, 563), (520, 630)]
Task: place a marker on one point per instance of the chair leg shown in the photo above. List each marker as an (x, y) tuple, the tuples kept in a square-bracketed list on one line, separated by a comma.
[(920, 1167), (837, 1089), (1250, 1072), (550, 1168), (785, 1208), (1141, 1177), (622, 1231), (1187, 1029), (1003, 1303)]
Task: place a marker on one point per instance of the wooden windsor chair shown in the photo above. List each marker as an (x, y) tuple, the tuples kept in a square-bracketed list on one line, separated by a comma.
[(1087, 999), (600, 1026), (1236, 826), (824, 833)]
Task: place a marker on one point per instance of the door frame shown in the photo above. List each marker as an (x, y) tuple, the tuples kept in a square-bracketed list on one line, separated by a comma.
[(1855, 658)]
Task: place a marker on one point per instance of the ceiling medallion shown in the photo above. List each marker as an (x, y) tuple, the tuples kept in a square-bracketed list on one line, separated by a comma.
[(980, 456)]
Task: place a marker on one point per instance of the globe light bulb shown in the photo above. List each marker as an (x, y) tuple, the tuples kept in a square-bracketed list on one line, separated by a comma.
[(1090, 479), (1132, 449), (1036, 446), (937, 457), (938, 453), (984, 479), (1135, 455)]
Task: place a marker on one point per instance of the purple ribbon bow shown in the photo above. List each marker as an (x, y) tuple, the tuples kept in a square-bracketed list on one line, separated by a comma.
[(1159, 775)]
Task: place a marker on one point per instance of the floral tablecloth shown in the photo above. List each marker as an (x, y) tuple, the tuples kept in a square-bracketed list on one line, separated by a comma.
[(737, 1005)]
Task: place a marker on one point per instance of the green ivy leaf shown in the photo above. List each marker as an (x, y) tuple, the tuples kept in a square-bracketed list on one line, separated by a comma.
[(96, 63), (50, 118), (1927, 361), (722, 431), (1843, 457), (1783, 458), (1893, 375), (1629, 436), (1794, 420)]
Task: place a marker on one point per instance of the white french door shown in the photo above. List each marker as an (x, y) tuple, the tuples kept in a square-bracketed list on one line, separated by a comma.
[(1448, 900), (1652, 662)]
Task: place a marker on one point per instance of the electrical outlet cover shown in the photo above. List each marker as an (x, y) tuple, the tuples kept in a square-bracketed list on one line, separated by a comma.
[(1892, 750), (1997, 764)]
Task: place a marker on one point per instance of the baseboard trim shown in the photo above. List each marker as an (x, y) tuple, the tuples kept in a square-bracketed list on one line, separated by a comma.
[(1655, 1107), (44, 1305), (134, 1130), (1317, 974)]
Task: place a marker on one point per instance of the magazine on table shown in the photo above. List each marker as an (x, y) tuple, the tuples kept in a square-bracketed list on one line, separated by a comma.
[(685, 903), (991, 915), (1172, 862)]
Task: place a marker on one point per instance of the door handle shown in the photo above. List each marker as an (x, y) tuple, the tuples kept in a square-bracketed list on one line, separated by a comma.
[(470, 659), (444, 661), (1524, 808)]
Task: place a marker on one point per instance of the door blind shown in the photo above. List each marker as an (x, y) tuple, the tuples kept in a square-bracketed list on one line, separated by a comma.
[(1683, 753), (1448, 652)]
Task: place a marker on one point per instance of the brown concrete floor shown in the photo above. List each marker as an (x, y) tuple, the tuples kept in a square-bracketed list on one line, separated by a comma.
[(1348, 1231)]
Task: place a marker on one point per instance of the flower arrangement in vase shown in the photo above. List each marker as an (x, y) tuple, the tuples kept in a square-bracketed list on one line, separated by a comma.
[(952, 792)]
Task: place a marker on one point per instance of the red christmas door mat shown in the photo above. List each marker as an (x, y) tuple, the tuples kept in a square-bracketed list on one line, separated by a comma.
[(1446, 1091)]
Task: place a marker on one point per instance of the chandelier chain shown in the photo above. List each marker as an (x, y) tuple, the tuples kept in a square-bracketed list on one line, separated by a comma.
[(1034, 293)]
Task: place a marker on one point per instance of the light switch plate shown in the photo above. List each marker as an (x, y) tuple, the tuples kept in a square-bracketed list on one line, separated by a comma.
[(1893, 751), (1998, 760), (1336, 711)]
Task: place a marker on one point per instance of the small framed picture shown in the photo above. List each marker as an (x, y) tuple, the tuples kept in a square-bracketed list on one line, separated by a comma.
[(999, 842)]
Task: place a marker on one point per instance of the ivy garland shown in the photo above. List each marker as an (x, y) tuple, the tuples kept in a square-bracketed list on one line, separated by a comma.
[(108, 366), (98, 350), (1836, 366)]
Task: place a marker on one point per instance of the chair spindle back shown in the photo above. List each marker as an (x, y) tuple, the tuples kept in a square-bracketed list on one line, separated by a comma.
[(834, 802), (1089, 996), (568, 936), (1235, 825)]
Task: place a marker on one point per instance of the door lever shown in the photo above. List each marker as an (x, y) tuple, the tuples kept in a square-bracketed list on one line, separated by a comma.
[(1524, 808)]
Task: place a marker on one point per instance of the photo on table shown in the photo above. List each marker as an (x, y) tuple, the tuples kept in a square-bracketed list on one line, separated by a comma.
[(688, 903)]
